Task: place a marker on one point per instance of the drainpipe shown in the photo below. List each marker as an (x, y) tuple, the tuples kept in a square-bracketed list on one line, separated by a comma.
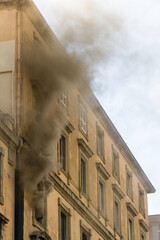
[(19, 193)]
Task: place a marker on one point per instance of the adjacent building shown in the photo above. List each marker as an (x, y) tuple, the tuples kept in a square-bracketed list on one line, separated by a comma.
[(100, 190), (154, 227)]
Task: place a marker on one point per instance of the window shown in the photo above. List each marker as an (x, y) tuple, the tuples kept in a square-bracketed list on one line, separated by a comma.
[(84, 154), (141, 201), (115, 157), (129, 184), (85, 232), (83, 175), (62, 151), (64, 99), (103, 175), (100, 143), (83, 119), (101, 197), (142, 237), (40, 210), (118, 195), (130, 229), (117, 216), (1, 175), (64, 221)]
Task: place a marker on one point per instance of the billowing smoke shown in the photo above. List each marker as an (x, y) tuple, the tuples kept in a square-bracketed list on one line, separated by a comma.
[(50, 71)]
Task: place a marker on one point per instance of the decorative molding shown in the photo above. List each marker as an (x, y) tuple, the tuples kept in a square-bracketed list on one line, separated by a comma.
[(3, 219), (85, 148), (118, 191), (102, 171), (80, 207), (69, 128), (143, 225), (85, 228), (39, 235), (68, 210), (131, 209)]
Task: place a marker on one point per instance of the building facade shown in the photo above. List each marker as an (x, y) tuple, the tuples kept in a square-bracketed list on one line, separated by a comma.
[(154, 227), (99, 189)]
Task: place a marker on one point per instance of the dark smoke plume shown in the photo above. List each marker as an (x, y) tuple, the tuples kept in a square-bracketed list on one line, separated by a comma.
[(50, 71)]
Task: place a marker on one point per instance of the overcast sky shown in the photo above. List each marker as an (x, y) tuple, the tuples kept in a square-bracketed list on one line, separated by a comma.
[(123, 39)]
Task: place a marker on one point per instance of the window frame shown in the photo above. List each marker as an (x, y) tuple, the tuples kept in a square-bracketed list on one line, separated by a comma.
[(84, 107), (118, 202), (129, 187), (99, 153), (130, 218), (116, 173), (102, 212), (83, 158), (42, 226), (85, 230), (141, 200), (67, 212), (65, 171), (62, 96)]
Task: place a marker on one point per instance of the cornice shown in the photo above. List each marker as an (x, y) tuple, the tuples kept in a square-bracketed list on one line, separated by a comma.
[(116, 137), (102, 171), (3, 219), (118, 191), (85, 148), (131, 209), (69, 127), (79, 206), (143, 225)]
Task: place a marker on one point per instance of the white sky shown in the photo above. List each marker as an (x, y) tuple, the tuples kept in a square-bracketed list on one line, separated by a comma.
[(126, 34)]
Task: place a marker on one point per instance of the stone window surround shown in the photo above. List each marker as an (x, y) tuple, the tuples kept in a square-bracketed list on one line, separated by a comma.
[(98, 129), (115, 153), (129, 192), (84, 229), (67, 212)]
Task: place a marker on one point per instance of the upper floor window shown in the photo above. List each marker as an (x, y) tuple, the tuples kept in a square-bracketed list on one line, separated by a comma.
[(141, 201), (130, 229), (117, 215), (85, 232), (64, 221), (40, 211), (84, 154), (62, 151), (64, 99), (115, 158), (103, 175), (83, 174), (129, 184), (100, 143), (83, 119)]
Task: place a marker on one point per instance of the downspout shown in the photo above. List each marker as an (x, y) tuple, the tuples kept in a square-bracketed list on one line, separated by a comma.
[(19, 193)]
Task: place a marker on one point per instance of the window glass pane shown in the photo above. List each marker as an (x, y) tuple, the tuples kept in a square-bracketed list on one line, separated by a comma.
[(130, 229), (83, 176), (63, 152), (116, 215), (63, 227), (84, 236), (101, 197)]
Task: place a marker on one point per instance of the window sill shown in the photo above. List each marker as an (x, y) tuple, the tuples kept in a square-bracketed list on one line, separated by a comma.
[(102, 158)]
